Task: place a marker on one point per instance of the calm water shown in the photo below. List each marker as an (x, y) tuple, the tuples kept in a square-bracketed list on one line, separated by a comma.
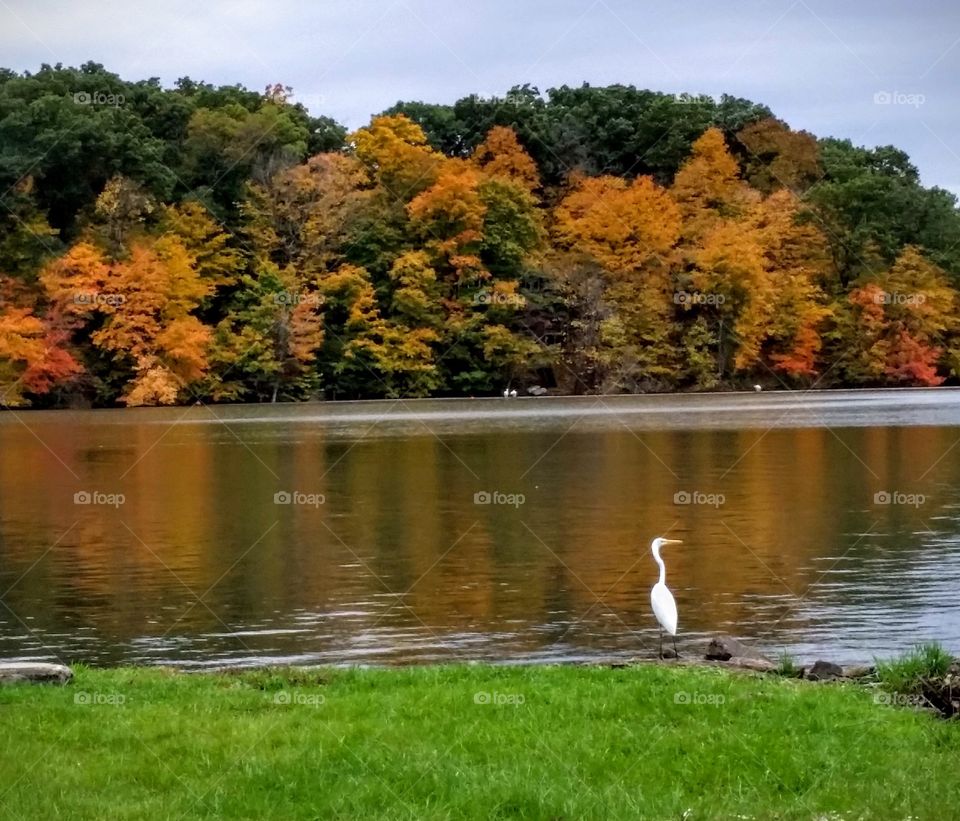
[(387, 554)]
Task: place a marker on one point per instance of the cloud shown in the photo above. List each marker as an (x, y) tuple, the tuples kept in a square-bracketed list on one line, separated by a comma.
[(816, 64)]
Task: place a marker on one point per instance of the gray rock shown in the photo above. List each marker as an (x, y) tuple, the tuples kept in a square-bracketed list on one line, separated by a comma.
[(824, 671), (724, 648), (759, 664), (858, 671), (32, 672)]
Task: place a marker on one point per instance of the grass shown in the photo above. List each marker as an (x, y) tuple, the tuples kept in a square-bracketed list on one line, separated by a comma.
[(649, 741), (787, 666), (908, 673)]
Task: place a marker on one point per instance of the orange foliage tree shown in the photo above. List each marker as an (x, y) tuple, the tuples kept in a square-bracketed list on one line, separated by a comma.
[(139, 311)]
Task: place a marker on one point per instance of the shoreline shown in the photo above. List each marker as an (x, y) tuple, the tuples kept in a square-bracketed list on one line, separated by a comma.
[(779, 391)]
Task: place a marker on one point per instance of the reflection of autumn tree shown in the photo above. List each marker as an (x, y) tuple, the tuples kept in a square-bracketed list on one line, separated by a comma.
[(396, 528)]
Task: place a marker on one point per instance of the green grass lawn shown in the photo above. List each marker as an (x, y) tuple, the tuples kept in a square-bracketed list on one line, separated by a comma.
[(468, 742)]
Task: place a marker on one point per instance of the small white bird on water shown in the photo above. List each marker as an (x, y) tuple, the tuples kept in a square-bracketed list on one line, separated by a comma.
[(661, 599)]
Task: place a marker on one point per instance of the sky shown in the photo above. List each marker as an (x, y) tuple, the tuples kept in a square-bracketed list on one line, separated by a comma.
[(875, 72)]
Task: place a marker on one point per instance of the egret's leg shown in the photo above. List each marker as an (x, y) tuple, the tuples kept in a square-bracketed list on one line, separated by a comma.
[(660, 653), (676, 653)]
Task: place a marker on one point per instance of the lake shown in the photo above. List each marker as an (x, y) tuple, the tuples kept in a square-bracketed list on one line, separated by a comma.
[(820, 524)]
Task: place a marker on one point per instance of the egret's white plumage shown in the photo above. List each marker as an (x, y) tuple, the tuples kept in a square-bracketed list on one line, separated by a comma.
[(661, 599)]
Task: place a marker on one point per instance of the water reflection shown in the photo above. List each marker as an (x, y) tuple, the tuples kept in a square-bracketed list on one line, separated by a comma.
[(785, 539)]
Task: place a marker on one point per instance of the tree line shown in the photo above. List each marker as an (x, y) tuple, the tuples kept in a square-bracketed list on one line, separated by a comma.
[(200, 243)]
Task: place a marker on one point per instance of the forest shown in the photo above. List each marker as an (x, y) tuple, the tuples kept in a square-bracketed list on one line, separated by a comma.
[(209, 243)]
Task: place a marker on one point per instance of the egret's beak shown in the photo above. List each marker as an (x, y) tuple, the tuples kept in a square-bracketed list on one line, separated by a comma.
[(673, 541)]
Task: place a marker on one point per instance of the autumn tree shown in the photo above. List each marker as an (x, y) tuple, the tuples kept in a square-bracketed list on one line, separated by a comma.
[(367, 353), (629, 230), (139, 311), (120, 211), (501, 155), (34, 356), (265, 348), (776, 157), (708, 187), (896, 324), (21, 345), (218, 262), (480, 233), (302, 216), (395, 152)]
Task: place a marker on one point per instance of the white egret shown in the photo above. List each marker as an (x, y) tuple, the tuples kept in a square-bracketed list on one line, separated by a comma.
[(758, 388), (661, 599), (513, 394), (506, 393)]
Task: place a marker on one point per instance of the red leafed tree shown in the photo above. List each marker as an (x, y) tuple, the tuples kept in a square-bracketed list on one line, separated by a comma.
[(34, 357), (911, 361)]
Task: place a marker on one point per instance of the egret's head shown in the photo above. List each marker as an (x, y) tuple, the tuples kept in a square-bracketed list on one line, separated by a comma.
[(659, 542)]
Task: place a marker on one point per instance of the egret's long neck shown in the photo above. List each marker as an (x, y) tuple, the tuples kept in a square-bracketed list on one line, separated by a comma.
[(663, 567)]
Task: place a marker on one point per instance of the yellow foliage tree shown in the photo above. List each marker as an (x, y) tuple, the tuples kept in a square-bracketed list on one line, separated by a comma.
[(708, 186), (501, 155), (395, 152)]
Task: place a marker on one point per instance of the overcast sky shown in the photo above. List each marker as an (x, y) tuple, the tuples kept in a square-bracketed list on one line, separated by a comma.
[(876, 72)]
